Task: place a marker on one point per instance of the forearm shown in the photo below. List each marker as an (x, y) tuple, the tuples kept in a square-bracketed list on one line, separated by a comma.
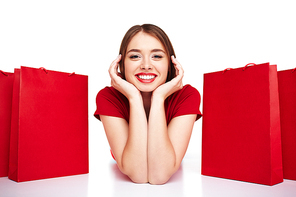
[(161, 154), (134, 156)]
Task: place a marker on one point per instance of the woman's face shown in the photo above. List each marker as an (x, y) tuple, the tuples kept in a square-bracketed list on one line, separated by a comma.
[(146, 62)]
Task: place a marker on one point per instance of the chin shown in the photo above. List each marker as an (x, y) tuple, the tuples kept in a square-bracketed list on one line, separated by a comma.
[(146, 89)]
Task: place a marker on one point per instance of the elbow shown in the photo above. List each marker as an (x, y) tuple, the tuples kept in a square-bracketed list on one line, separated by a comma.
[(135, 176), (159, 179), (138, 179)]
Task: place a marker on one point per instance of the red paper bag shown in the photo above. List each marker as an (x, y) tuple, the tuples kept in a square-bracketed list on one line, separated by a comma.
[(287, 95), (6, 82), (49, 130), (241, 137)]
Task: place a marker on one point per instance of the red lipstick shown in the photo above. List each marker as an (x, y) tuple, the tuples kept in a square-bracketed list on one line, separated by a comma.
[(146, 77)]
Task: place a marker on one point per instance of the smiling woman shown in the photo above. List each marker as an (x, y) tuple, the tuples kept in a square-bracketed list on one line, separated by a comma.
[(148, 115), (157, 33), (147, 53)]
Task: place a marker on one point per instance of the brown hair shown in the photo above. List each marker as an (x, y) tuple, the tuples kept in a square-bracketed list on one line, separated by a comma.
[(154, 31)]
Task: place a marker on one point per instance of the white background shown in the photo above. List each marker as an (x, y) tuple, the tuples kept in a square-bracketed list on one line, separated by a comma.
[(84, 37)]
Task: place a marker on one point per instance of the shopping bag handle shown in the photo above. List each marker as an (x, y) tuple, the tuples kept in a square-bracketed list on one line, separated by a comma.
[(73, 73), (244, 68), (3, 73), (226, 70), (42, 68), (46, 71)]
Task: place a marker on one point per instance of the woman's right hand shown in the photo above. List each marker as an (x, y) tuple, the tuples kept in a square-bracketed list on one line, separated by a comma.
[(126, 88)]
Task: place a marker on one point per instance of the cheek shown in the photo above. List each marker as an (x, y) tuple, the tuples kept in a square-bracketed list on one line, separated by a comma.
[(163, 68), (129, 68)]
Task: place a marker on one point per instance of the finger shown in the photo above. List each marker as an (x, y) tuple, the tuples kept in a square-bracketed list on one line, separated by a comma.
[(175, 62), (180, 70), (115, 62), (114, 65), (178, 67)]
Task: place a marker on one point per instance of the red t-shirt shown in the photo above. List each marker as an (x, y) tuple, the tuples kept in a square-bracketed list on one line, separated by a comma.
[(111, 102)]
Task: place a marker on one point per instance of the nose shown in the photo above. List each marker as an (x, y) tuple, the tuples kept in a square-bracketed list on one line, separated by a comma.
[(146, 64)]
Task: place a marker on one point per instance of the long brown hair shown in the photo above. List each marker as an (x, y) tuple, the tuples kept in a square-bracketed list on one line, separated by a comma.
[(154, 31)]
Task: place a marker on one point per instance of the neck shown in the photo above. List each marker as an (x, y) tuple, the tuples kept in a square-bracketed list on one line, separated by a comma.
[(146, 96)]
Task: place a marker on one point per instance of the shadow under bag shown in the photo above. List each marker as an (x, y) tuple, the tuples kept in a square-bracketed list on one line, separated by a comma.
[(49, 130), (241, 136)]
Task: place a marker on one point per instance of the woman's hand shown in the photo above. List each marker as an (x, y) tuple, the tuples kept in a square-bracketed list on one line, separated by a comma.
[(168, 88), (126, 88)]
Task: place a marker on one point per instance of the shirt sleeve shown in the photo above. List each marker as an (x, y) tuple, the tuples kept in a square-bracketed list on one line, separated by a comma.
[(110, 102), (184, 102)]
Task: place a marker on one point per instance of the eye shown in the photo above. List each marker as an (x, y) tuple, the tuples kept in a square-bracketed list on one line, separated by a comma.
[(134, 56), (157, 56)]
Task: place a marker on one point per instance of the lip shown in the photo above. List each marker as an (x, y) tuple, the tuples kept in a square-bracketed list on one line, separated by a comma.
[(146, 80)]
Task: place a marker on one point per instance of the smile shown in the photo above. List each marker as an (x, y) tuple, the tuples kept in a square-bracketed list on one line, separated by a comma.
[(146, 77)]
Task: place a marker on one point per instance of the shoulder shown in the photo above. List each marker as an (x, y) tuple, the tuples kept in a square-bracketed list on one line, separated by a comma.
[(189, 89), (110, 93), (186, 92), (183, 102), (111, 102), (107, 91)]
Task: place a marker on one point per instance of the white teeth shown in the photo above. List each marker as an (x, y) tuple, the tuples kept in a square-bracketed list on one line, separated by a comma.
[(146, 76)]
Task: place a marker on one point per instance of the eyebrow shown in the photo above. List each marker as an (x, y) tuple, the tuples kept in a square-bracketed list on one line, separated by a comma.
[(153, 50)]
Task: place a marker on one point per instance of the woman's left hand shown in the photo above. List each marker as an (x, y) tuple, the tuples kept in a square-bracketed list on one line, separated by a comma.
[(168, 88)]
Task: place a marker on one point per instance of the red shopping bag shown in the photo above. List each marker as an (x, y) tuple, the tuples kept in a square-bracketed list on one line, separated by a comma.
[(287, 95), (49, 130), (6, 82), (241, 137)]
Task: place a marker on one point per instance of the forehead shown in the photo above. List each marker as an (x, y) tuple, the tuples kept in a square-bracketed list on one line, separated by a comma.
[(144, 41)]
